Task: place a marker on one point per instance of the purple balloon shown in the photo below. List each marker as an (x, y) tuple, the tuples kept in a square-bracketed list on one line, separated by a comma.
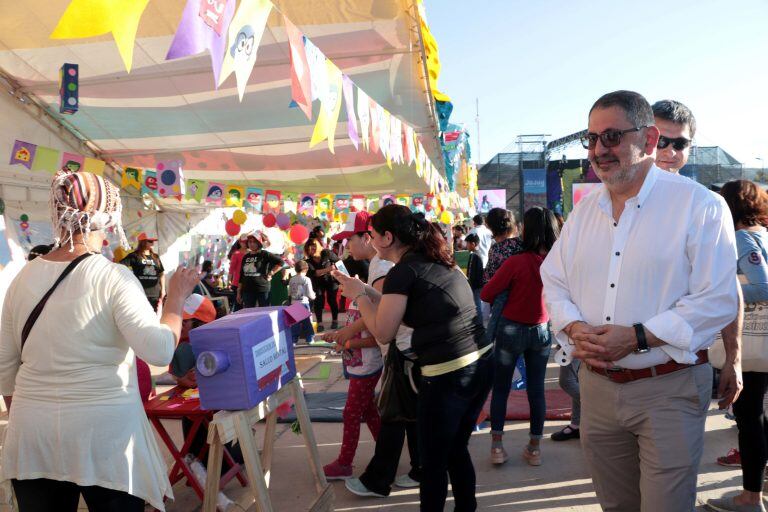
[(283, 221)]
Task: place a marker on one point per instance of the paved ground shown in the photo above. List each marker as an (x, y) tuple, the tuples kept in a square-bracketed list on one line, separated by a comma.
[(561, 483)]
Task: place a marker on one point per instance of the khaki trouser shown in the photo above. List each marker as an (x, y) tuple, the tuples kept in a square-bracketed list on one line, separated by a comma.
[(643, 440)]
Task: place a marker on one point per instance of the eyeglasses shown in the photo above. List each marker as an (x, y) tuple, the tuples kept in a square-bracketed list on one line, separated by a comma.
[(609, 138), (680, 143)]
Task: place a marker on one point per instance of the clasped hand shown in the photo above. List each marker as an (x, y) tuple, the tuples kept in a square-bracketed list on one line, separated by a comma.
[(601, 346)]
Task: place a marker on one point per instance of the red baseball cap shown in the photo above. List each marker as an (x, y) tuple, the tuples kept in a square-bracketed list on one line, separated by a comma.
[(197, 306), (357, 222), (143, 236)]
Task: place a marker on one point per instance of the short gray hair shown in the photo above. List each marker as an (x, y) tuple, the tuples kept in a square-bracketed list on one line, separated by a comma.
[(675, 112), (636, 107)]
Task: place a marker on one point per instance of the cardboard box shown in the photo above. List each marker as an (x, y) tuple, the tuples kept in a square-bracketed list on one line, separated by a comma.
[(244, 357)]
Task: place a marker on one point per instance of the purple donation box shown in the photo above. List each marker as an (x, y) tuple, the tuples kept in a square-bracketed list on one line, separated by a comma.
[(244, 357)]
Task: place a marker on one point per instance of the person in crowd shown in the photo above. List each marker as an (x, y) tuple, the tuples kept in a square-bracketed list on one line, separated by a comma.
[(76, 424), (207, 279), (485, 235), (429, 293), (318, 233), (749, 208), (362, 360), (321, 263), (39, 250), (357, 268), (236, 253), (300, 291), (148, 269), (641, 324), (475, 270), (504, 230), (459, 232), (523, 330), (256, 273)]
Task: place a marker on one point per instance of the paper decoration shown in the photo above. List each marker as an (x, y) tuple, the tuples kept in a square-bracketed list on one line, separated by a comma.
[(364, 114), (349, 104), (387, 199), (131, 178), (245, 33), (89, 18), (307, 204), (215, 193), (330, 106), (46, 159), (301, 80), (324, 206), (23, 153), (290, 202), (255, 197), (203, 27), (196, 189), (94, 166), (149, 182), (170, 179), (403, 200), (396, 140), (341, 203), (373, 107), (234, 195), (359, 203), (409, 144), (417, 203), (384, 135), (317, 69), (71, 160), (372, 204), (272, 201)]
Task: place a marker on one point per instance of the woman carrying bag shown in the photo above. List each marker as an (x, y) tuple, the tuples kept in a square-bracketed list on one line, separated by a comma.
[(749, 207)]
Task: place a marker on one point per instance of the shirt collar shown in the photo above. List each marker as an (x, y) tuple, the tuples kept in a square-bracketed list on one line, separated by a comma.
[(650, 180)]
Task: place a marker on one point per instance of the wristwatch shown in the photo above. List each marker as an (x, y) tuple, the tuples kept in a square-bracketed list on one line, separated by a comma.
[(642, 342)]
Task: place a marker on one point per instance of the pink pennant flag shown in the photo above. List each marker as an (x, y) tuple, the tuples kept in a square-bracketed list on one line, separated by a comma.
[(374, 125), (301, 81), (349, 103), (72, 160)]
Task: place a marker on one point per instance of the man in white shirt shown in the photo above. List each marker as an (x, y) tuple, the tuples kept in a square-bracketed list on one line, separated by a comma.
[(641, 280), (485, 235)]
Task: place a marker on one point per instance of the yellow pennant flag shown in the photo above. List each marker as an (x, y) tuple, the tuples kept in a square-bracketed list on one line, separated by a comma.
[(330, 106), (245, 33), (131, 178), (90, 18)]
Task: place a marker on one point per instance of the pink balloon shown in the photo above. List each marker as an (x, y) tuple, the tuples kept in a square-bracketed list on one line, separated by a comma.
[(269, 220), (231, 228), (299, 234), (283, 221)]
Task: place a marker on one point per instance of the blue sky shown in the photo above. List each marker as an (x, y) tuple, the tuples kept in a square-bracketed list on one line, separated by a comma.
[(538, 65)]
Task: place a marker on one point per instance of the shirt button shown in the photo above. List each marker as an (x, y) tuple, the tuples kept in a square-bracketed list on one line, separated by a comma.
[(613, 285), (618, 253), (615, 224), (608, 318)]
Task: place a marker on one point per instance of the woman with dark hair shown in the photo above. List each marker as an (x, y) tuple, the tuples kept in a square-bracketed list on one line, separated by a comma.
[(256, 273), (749, 207), (148, 269), (523, 330), (502, 224), (427, 292), (321, 264)]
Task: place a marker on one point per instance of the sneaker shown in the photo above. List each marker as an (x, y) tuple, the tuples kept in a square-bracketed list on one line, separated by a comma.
[(320, 328), (355, 486), (406, 482), (732, 460), (334, 325), (729, 504), (499, 456), (567, 433), (336, 471), (532, 455)]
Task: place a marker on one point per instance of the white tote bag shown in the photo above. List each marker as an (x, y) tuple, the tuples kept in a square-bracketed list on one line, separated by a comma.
[(754, 341)]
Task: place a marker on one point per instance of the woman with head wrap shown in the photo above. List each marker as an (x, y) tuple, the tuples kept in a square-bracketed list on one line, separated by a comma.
[(76, 424)]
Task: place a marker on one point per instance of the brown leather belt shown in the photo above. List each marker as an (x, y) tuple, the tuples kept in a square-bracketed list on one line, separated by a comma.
[(624, 375)]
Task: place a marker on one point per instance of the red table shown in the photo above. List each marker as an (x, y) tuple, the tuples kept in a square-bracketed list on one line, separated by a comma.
[(172, 406)]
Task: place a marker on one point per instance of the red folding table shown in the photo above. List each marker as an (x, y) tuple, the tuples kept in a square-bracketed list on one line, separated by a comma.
[(171, 405)]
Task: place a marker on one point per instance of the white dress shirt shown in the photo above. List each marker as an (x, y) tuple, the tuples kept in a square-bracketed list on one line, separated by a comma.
[(668, 263), (486, 240)]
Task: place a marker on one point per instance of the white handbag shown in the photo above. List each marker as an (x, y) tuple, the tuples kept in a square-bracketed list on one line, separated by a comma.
[(754, 341)]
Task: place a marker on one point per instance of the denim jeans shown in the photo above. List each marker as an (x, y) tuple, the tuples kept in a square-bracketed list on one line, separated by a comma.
[(497, 306), (513, 340), (448, 408), (478, 304), (304, 328)]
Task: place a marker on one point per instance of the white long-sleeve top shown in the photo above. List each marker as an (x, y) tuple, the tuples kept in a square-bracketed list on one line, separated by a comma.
[(76, 414), (668, 263)]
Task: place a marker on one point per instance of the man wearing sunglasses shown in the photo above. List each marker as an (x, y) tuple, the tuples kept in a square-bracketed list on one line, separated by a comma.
[(677, 126), (637, 286)]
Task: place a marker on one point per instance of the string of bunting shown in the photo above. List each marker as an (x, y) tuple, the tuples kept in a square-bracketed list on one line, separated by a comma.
[(41, 158), (232, 38)]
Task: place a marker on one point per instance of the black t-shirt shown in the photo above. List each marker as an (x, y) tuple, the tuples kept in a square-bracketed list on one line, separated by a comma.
[(147, 270), (357, 268), (254, 270), (325, 282), (440, 310)]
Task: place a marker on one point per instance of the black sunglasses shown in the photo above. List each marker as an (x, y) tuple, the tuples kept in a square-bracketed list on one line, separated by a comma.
[(680, 143), (609, 138)]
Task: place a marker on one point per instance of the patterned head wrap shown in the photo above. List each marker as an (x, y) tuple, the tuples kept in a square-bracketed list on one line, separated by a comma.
[(82, 202)]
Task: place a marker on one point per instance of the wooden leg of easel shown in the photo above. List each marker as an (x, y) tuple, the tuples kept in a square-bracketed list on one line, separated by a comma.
[(215, 455), (269, 445), (313, 455), (252, 464)]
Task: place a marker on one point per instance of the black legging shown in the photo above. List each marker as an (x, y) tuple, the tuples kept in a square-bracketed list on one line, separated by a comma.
[(324, 294), (753, 430), (45, 495)]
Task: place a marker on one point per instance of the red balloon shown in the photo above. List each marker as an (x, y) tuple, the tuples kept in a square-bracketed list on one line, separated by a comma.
[(231, 228), (299, 234), (269, 220)]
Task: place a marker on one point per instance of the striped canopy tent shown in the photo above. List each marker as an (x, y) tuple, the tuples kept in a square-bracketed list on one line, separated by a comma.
[(170, 110)]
